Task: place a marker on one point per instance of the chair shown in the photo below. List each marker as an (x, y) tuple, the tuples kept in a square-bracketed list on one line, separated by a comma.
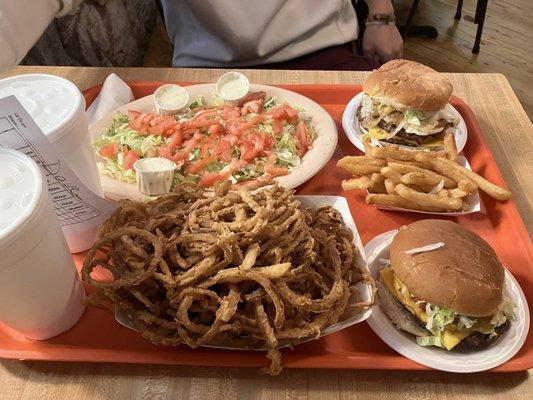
[(479, 19)]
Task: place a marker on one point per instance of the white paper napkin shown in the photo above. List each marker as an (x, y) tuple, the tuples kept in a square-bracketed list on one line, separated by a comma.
[(115, 93)]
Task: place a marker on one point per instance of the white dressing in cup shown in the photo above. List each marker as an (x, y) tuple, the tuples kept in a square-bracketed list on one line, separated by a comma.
[(154, 175), (170, 99), (232, 87)]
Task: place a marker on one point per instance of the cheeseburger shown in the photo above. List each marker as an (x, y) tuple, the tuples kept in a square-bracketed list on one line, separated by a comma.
[(444, 285), (406, 103)]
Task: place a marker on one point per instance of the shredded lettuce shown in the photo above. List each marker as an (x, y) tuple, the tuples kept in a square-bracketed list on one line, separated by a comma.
[(142, 144), (311, 133), (245, 175), (120, 117), (180, 179), (428, 341), (287, 142), (103, 141), (269, 103), (286, 151), (235, 153), (114, 169), (505, 312), (438, 318), (195, 154), (265, 127), (214, 166), (199, 102), (412, 118), (466, 322)]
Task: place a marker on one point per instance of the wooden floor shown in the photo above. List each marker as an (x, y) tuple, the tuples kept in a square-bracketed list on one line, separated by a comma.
[(506, 43)]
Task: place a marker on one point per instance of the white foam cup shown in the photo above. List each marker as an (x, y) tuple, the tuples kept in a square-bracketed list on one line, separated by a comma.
[(58, 108), (41, 294)]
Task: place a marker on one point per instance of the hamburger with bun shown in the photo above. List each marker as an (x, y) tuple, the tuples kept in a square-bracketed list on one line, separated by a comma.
[(444, 285), (406, 103)]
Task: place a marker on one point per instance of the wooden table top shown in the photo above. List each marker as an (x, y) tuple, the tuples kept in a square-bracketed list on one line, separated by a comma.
[(509, 135)]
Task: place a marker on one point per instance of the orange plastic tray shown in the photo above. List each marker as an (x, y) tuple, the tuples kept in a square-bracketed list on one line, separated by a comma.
[(98, 337)]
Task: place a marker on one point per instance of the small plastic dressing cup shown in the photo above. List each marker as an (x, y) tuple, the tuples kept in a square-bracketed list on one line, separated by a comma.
[(170, 99), (154, 175), (41, 294), (232, 87)]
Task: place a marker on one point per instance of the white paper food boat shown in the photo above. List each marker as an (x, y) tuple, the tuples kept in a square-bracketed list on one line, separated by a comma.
[(472, 201), (365, 290)]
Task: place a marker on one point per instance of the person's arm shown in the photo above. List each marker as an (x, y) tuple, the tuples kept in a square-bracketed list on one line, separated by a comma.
[(22, 22), (381, 41)]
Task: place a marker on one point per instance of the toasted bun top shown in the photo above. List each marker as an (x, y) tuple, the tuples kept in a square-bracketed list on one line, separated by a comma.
[(465, 275), (409, 85)]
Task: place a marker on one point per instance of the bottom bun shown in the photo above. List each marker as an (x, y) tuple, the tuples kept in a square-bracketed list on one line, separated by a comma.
[(404, 320)]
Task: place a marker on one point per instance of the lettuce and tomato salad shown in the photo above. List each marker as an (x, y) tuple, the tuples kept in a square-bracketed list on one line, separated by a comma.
[(247, 144)]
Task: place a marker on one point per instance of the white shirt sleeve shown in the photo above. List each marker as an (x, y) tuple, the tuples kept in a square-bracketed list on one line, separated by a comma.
[(22, 23)]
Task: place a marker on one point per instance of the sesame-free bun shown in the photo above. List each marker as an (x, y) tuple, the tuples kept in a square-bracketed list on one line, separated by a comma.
[(405, 84), (465, 275)]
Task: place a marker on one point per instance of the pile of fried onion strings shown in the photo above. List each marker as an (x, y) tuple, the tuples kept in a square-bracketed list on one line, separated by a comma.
[(240, 269)]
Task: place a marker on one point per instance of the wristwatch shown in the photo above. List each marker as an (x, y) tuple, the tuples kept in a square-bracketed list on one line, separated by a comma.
[(380, 19)]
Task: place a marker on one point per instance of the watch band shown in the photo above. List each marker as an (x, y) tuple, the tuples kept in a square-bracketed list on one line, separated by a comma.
[(380, 19)]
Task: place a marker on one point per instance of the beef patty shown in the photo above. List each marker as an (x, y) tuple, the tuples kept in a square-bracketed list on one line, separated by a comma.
[(404, 320)]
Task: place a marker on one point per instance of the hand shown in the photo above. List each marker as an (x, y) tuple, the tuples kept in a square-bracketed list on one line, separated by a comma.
[(382, 43)]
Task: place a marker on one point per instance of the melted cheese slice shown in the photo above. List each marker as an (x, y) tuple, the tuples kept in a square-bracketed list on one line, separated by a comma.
[(451, 336)]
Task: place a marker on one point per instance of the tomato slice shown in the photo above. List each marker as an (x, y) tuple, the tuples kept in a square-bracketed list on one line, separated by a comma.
[(199, 165), (223, 151), (292, 114), (109, 151), (132, 114), (129, 158), (210, 178), (261, 95), (273, 170), (155, 130), (165, 152), (176, 139), (284, 112), (301, 139), (251, 123), (277, 126), (200, 124)]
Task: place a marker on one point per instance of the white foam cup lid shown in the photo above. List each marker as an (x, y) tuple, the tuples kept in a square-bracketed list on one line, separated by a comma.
[(53, 102)]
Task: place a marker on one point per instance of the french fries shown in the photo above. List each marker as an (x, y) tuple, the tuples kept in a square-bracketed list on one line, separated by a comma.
[(363, 182), (416, 180), (360, 169), (428, 200), (396, 201), (361, 160), (396, 152), (435, 177), (390, 187), (490, 188), (420, 180), (391, 174), (450, 146)]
